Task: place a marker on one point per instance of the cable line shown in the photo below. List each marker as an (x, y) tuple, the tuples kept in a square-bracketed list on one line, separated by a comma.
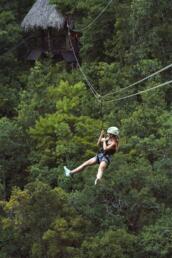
[(16, 46), (97, 96), (97, 17), (82, 29), (140, 92), (101, 113), (144, 79)]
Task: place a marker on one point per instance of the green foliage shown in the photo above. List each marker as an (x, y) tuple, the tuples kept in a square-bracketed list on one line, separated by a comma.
[(42, 222), (40, 95), (11, 83), (65, 133), (49, 118), (13, 155), (117, 244), (151, 21), (94, 36), (156, 240)]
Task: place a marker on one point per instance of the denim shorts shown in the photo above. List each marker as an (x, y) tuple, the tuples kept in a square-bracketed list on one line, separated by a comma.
[(103, 157)]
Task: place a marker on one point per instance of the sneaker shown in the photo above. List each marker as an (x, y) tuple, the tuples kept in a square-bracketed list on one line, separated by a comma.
[(67, 171)]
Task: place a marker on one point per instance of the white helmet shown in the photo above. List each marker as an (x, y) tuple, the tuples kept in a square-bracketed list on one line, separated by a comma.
[(113, 130)]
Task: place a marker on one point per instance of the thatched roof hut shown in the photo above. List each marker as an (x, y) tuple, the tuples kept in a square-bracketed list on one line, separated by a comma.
[(43, 15), (50, 34)]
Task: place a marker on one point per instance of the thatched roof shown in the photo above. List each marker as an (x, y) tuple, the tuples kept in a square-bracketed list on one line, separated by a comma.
[(43, 15)]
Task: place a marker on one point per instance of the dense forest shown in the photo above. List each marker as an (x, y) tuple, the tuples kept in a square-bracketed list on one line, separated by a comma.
[(49, 118)]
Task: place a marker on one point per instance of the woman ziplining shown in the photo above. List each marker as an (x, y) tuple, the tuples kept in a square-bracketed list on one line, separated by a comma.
[(108, 146)]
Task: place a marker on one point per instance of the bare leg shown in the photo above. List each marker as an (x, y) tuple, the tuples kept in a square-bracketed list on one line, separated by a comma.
[(101, 169), (87, 163)]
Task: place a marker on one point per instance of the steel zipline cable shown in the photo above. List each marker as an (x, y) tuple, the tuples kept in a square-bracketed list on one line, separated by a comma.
[(21, 42), (140, 92), (138, 82), (97, 96), (97, 17), (95, 93), (101, 98), (82, 29)]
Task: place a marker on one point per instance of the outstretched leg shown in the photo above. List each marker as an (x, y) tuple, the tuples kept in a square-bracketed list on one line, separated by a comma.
[(87, 163), (103, 165)]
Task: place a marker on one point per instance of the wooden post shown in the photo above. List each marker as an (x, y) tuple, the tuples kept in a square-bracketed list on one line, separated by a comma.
[(49, 40)]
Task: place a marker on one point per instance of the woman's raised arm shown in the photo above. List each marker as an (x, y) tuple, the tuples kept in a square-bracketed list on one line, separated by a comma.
[(100, 137)]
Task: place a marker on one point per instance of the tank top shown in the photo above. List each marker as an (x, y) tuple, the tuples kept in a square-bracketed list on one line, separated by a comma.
[(109, 152)]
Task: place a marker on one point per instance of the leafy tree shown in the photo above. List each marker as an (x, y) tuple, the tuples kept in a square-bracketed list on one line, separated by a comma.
[(151, 21), (65, 133), (49, 118), (94, 35), (13, 155), (42, 223), (155, 240), (117, 244)]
